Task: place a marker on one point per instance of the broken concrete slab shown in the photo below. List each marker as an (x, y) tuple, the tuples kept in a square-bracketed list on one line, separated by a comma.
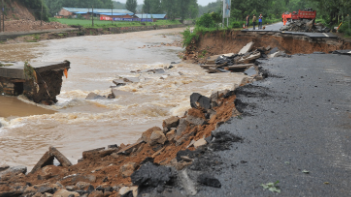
[(342, 52), (170, 122), (125, 190), (249, 58), (274, 50), (212, 59), (4, 167), (246, 48), (200, 142), (117, 93), (93, 96), (156, 71), (13, 171), (171, 134), (60, 157), (239, 66), (183, 124), (48, 159), (91, 153), (131, 79), (119, 82), (198, 101), (195, 120), (125, 149)]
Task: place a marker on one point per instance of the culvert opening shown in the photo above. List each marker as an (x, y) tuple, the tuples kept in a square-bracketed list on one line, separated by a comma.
[(18, 89)]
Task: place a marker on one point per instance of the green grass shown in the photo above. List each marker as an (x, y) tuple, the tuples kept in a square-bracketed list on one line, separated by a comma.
[(105, 24), (188, 36)]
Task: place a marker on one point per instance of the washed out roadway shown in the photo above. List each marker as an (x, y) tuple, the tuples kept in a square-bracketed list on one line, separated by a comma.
[(276, 28), (299, 118)]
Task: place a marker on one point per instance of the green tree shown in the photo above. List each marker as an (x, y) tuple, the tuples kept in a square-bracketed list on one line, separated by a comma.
[(38, 8), (171, 8), (205, 21), (193, 10), (147, 6), (131, 5)]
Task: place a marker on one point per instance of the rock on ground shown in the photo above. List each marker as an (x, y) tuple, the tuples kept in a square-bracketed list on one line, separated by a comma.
[(153, 136)]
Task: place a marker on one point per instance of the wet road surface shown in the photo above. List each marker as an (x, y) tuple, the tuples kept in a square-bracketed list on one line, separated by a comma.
[(299, 118)]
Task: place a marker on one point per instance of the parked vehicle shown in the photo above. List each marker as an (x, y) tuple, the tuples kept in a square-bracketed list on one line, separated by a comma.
[(307, 14)]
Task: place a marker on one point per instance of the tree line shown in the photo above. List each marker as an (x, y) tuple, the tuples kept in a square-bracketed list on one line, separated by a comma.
[(332, 11), (173, 8)]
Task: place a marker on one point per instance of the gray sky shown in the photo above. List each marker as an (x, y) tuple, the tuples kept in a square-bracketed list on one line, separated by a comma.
[(201, 2)]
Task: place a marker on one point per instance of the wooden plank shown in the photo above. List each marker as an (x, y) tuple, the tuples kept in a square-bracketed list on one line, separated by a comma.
[(214, 65), (239, 66), (46, 159), (60, 157), (89, 153), (130, 146)]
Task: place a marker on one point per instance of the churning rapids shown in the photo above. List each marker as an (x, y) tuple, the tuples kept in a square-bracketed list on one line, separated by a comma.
[(74, 124)]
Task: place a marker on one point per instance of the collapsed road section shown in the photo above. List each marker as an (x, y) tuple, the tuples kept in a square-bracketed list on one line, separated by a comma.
[(38, 81), (295, 126), (287, 130)]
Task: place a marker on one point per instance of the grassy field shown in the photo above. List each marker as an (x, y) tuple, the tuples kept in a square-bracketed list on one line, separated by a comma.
[(104, 24)]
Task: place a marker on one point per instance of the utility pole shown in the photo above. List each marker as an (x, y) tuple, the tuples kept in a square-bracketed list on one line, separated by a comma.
[(3, 16), (92, 15), (41, 15), (0, 18), (112, 14)]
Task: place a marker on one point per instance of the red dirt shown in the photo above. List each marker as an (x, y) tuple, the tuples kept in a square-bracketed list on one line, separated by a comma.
[(18, 19), (110, 166)]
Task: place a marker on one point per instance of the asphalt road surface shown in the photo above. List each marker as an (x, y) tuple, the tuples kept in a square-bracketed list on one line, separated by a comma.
[(296, 120), (276, 28), (272, 27)]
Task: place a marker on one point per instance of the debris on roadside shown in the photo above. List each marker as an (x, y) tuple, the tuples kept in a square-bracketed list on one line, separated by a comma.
[(342, 52), (305, 26), (242, 61)]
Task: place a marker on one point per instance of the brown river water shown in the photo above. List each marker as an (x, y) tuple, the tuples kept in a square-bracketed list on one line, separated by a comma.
[(74, 124)]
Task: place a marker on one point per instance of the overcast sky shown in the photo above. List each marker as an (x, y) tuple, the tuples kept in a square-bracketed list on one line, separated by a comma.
[(201, 2)]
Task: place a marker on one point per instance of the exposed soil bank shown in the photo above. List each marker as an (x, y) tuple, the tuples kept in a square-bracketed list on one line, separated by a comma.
[(110, 170), (37, 36), (222, 42)]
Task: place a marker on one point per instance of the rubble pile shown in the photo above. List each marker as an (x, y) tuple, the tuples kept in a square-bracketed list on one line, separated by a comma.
[(305, 26), (151, 165), (244, 60)]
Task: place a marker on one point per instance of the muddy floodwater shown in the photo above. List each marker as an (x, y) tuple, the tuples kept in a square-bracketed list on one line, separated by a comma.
[(74, 124)]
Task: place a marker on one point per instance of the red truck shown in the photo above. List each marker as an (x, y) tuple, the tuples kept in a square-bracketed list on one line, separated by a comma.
[(287, 15), (310, 14)]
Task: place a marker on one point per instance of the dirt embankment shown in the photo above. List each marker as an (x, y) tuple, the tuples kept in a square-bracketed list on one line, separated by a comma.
[(109, 172), (18, 18), (232, 41)]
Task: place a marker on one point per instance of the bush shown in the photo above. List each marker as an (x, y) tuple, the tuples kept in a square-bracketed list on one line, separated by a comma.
[(79, 16), (344, 28), (217, 18), (238, 24), (205, 20)]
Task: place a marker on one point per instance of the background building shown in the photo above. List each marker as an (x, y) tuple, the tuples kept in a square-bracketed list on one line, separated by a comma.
[(87, 12)]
